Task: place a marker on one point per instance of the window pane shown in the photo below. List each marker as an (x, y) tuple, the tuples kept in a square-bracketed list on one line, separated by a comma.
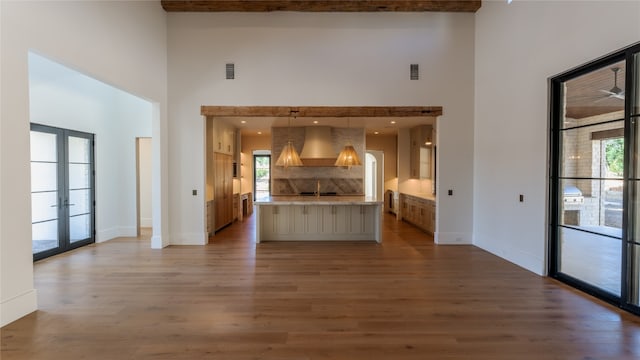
[(79, 227), (44, 206), (592, 205), (79, 202), (44, 176), (634, 251), (592, 258), (593, 151), (43, 146), (635, 104), (79, 176), (79, 150), (595, 97), (45, 236)]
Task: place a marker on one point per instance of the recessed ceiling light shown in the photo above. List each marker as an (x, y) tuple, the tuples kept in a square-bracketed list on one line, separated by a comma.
[(393, 121), (259, 132), (315, 121), (375, 132), (243, 121)]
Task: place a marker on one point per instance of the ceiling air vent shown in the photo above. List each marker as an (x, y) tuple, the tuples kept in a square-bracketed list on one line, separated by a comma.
[(414, 72), (231, 71)]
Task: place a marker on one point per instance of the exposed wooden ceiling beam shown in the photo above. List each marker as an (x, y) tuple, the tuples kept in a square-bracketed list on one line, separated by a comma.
[(321, 5), (322, 111)]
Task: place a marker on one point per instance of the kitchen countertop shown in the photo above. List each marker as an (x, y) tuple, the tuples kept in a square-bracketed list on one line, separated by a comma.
[(426, 196), (314, 200)]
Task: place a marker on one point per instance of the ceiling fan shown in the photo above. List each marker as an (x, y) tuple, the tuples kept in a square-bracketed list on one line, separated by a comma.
[(615, 91)]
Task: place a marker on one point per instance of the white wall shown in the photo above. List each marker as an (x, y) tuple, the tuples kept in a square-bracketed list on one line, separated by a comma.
[(64, 98), (321, 59), (120, 43), (518, 47)]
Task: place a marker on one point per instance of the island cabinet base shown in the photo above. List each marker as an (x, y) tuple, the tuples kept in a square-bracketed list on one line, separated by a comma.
[(294, 222)]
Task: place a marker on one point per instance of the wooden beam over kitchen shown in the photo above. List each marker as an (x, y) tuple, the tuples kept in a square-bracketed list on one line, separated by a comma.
[(322, 111), (322, 5)]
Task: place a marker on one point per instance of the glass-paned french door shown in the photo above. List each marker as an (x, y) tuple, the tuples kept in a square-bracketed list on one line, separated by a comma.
[(261, 176), (62, 190), (595, 178)]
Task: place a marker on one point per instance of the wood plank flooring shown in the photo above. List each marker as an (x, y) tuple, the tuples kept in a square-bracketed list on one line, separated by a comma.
[(403, 299)]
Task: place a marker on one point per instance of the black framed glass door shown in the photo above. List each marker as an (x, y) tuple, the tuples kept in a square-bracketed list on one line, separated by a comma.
[(62, 190), (594, 180)]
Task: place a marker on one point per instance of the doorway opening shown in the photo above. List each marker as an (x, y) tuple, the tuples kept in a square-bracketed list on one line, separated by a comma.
[(143, 187), (374, 174)]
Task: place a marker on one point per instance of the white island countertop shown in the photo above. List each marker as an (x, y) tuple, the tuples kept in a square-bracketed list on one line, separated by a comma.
[(317, 200)]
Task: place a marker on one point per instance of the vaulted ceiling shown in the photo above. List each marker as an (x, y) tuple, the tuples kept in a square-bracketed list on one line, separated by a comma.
[(322, 5)]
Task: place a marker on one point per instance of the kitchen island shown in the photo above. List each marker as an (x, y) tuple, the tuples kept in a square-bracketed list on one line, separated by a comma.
[(318, 218)]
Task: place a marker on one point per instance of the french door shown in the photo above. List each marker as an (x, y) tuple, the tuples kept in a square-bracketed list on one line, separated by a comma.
[(261, 176), (62, 190), (595, 178)]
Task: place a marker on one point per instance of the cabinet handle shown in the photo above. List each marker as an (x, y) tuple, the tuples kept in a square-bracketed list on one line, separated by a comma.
[(219, 145)]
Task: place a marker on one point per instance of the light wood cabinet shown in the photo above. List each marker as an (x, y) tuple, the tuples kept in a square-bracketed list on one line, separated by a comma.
[(224, 137), (223, 190), (210, 217), (236, 207), (418, 211), (420, 153)]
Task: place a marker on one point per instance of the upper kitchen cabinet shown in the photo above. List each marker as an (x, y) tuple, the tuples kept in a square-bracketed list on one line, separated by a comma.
[(421, 138), (223, 137)]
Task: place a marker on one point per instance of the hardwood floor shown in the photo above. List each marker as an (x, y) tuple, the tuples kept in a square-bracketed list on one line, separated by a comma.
[(403, 299)]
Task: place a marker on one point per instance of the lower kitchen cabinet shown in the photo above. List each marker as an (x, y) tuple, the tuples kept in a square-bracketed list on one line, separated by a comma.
[(319, 222), (418, 211)]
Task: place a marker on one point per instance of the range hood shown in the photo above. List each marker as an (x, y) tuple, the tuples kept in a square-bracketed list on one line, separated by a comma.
[(318, 147)]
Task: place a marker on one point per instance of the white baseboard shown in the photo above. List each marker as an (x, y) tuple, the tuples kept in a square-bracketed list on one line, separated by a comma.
[(189, 239), (127, 231), (453, 238), (115, 232), (146, 222), (103, 235), (17, 307), (516, 256)]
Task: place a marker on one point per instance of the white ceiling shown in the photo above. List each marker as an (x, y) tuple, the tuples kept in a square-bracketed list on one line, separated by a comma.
[(383, 125)]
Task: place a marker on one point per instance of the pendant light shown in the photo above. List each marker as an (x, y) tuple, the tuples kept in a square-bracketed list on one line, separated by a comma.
[(289, 156), (348, 156)]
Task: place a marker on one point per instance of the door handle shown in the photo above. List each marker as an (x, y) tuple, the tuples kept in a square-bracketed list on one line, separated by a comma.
[(58, 204)]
